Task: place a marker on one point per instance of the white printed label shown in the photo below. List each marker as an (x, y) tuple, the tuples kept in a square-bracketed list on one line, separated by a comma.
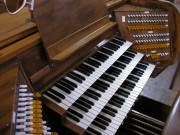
[(123, 19), (153, 51), (150, 31), (146, 12)]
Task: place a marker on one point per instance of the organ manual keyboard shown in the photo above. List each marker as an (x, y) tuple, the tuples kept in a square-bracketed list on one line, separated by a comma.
[(106, 96), (89, 74)]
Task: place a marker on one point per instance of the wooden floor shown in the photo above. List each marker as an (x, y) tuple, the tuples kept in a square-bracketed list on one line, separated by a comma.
[(164, 88)]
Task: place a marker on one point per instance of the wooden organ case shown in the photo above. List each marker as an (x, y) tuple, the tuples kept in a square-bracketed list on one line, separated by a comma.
[(91, 66)]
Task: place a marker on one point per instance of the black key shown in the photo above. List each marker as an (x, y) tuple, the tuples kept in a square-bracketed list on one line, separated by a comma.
[(131, 77), (63, 88), (94, 92), (141, 66), (112, 46), (127, 92), (80, 107), (74, 78), (108, 112), (107, 78), (94, 131), (132, 51), (106, 51), (66, 85), (104, 118), (124, 59), (98, 125), (101, 57), (115, 103), (129, 54), (83, 71), (98, 84), (145, 63), (78, 76), (90, 63), (57, 93), (120, 39), (101, 121), (111, 109), (52, 96), (98, 88), (114, 71), (69, 82), (75, 112), (137, 72), (116, 41), (126, 82), (88, 67), (91, 95), (122, 93), (73, 117), (103, 83), (83, 103), (119, 65), (93, 63), (87, 101), (127, 87), (117, 99)]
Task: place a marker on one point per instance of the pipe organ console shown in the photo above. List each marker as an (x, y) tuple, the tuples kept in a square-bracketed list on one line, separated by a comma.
[(90, 65)]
